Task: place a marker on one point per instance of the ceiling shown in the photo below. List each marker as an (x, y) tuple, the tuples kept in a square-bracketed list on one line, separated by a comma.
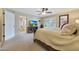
[(32, 11)]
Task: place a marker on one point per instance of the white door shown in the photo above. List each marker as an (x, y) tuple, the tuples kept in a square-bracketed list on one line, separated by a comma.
[(9, 25)]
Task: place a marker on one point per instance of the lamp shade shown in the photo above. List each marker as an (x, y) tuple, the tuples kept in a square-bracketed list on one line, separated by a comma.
[(77, 21)]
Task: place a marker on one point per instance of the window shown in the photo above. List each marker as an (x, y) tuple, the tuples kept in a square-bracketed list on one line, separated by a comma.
[(50, 24)]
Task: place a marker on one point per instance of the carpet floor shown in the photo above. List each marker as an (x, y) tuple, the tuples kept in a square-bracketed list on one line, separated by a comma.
[(22, 42)]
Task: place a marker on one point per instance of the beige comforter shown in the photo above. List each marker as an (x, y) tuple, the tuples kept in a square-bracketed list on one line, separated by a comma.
[(58, 41)]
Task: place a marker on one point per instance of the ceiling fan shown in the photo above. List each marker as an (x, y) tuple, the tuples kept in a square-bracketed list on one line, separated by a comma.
[(44, 11)]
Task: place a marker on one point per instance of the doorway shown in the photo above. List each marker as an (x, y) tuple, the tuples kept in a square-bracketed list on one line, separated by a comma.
[(9, 24), (22, 24)]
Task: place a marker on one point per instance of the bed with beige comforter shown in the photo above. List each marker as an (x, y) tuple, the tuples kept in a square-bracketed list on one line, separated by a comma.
[(58, 41)]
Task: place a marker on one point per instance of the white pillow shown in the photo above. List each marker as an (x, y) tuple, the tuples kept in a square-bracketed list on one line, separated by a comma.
[(68, 29)]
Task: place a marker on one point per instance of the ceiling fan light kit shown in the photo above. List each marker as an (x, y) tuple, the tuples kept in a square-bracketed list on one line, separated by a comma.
[(44, 11)]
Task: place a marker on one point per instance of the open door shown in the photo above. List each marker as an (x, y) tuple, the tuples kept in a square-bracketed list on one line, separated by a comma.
[(2, 25), (9, 24)]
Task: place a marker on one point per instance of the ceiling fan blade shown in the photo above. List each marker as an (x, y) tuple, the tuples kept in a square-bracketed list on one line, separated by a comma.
[(48, 12), (39, 14), (38, 11)]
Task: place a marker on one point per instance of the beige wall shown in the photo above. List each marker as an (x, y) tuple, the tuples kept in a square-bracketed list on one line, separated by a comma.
[(73, 15)]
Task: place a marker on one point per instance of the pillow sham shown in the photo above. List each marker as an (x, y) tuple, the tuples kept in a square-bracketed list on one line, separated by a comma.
[(68, 29)]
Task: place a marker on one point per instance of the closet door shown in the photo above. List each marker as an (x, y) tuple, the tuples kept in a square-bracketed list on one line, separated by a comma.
[(9, 24)]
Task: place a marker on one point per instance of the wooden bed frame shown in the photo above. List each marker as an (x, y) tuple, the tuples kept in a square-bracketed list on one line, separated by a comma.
[(47, 47)]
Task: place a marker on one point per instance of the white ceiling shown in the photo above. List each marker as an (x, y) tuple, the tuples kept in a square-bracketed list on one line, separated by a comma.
[(32, 11)]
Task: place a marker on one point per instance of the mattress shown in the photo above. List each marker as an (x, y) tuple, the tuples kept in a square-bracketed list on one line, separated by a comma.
[(57, 41)]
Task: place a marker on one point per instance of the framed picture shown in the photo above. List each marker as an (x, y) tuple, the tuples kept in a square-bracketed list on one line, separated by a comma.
[(63, 19)]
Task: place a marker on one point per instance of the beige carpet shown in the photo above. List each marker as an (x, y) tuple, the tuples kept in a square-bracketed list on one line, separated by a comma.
[(22, 42)]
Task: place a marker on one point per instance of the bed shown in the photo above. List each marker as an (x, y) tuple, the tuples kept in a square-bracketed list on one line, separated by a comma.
[(54, 41)]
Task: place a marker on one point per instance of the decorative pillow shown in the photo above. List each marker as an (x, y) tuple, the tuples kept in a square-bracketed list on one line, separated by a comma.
[(68, 29)]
